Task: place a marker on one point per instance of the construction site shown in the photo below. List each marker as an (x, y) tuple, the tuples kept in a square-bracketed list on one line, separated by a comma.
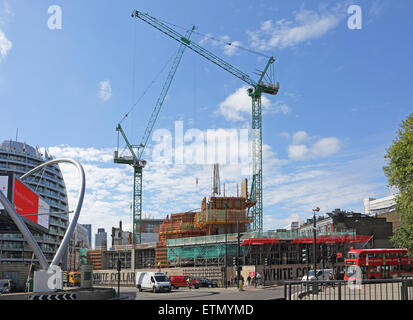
[(226, 233)]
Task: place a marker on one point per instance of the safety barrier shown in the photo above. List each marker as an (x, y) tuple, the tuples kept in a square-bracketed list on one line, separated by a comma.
[(374, 289)]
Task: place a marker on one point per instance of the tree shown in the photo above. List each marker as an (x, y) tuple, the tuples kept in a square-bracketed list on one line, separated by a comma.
[(399, 172)]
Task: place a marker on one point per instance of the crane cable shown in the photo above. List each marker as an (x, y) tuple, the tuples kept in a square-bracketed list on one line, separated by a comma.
[(209, 36), (146, 90)]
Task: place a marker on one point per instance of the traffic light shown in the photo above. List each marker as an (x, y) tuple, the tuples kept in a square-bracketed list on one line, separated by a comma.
[(266, 262), (334, 258), (234, 261), (304, 255)]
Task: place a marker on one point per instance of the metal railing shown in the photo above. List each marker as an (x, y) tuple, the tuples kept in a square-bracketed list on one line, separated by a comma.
[(388, 289)]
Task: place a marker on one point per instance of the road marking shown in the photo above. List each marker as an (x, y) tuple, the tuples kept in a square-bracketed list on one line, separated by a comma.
[(64, 296)]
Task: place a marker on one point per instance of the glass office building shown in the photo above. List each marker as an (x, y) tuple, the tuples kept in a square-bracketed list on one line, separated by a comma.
[(18, 158)]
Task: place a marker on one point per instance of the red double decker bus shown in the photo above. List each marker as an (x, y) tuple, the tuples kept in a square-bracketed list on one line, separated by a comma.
[(378, 264)]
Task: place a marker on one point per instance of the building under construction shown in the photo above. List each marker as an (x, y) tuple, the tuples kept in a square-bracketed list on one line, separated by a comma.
[(210, 238), (220, 231)]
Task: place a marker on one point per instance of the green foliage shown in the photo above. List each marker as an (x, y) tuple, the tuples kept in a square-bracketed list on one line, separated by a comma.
[(399, 172)]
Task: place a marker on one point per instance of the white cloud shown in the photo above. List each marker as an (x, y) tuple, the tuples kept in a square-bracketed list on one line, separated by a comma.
[(105, 91), (229, 47), (272, 223), (5, 46), (6, 15), (290, 191), (326, 146), (237, 106), (306, 25), (298, 152), (299, 137), (285, 135), (83, 154), (323, 147)]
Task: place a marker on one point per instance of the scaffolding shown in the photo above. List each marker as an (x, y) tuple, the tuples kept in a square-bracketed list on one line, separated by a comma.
[(161, 255), (94, 258), (179, 225), (282, 246), (222, 213)]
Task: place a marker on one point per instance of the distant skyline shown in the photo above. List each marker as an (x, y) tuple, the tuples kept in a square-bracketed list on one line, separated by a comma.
[(343, 94)]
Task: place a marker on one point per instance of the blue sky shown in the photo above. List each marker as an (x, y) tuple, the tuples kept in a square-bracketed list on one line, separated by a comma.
[(343, 95)]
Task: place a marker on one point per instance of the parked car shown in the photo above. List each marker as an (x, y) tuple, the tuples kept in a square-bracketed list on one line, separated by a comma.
[(181, 281), (320, 276), (7, 286), (155, 281), (204, 282)]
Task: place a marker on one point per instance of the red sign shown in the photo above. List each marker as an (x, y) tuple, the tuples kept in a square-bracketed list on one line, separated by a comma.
[(25, 201)]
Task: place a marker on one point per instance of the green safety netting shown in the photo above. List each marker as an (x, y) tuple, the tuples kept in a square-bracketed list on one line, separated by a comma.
[(214, 246), (206, 251)]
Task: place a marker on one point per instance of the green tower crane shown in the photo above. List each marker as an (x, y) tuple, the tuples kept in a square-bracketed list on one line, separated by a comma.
[(135, 159), (258, 87)]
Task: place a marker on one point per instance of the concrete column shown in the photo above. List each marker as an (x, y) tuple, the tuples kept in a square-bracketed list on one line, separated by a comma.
[(132, 259)]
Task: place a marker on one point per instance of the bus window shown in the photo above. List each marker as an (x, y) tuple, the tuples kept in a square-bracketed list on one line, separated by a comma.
[(370, 255)]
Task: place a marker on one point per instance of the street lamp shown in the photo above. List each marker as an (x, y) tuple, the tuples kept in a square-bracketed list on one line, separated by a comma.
[(354, 234), (226, 245), (316, 209)]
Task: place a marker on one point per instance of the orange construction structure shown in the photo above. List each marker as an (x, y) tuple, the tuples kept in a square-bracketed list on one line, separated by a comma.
[(94, 258), (219, 215), (179, 225)]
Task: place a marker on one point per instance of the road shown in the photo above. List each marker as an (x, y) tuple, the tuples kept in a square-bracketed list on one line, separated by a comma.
[(269, 293)]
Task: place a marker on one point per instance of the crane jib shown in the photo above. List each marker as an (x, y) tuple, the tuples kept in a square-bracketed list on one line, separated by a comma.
[(186, 41), (258, 87)]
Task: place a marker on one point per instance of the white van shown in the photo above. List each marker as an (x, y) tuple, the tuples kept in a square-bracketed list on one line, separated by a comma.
[(154, 281), (322, 274)]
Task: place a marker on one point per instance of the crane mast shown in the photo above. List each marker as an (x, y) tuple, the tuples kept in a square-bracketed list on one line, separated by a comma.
[(135, 160), (259, 87)]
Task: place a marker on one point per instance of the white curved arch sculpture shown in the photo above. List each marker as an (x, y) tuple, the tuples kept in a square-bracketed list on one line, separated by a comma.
[(69, 232)]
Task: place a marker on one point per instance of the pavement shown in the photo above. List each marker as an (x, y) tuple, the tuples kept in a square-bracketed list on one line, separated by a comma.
[(231, 293), (66, 294)]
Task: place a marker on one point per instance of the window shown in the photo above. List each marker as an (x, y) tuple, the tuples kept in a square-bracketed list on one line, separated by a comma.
[(161, 279), (408, 268)]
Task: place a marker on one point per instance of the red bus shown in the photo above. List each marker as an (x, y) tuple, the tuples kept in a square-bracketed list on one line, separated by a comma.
[(378, 263)]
